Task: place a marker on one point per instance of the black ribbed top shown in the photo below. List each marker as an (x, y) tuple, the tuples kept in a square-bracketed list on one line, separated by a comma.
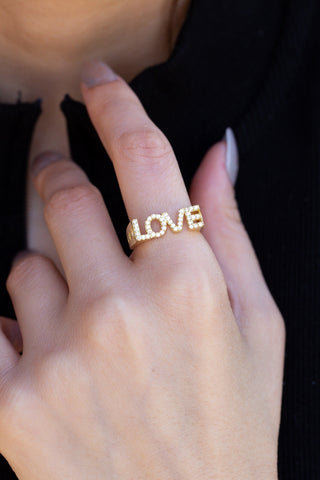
[(253, 66)]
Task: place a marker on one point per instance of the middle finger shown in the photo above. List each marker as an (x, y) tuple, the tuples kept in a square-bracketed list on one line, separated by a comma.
[(79, 223)]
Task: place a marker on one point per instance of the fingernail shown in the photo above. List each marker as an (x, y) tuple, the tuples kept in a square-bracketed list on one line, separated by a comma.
[(19, 256), (232, 156), (96, 73), (42, 160)]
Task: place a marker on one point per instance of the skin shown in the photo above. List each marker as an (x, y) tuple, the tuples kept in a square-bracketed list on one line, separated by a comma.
[(43, 45), (162, 365)]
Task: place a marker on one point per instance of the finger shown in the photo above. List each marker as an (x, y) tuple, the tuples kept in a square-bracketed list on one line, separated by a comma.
[(11, 330), (38, 293), (224, 231), (8, 354), (147, 170), (78, 222), (9, 357)]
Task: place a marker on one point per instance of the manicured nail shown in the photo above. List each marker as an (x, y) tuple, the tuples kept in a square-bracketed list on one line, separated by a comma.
[(96, 73), (232, 156), (42, 160)]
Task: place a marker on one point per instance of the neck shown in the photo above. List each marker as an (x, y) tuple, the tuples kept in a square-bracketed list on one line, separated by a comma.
[(44, 43)]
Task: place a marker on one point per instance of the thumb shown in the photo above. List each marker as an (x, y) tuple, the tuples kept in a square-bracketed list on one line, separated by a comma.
[(212, 188)]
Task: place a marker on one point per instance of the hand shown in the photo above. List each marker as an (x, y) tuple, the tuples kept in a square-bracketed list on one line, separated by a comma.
[(167, 364)]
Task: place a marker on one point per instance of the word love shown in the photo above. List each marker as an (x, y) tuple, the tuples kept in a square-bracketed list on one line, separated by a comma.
[(192, 214)]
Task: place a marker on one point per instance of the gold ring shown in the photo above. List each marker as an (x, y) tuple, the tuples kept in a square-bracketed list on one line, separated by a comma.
[(194, 221)]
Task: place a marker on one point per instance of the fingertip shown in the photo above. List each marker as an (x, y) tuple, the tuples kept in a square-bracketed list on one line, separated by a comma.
[(232, 155), (95, 73), (211, 175), (218, 170), (42, 160)]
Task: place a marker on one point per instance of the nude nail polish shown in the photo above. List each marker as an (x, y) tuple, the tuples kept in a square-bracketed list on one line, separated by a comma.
[(232, 155), (42, 160), (96, 73), (19, 256)]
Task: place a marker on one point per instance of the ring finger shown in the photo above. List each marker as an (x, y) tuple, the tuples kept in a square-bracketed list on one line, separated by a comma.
[(147, 170)]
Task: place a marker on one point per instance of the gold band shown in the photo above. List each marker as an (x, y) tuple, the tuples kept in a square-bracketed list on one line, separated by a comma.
[(194, 221)]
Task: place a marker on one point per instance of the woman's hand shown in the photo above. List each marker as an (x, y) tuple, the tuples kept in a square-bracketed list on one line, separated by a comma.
[(164, 365)]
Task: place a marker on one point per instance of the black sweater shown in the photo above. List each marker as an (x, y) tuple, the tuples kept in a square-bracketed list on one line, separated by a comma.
[(254, 66)]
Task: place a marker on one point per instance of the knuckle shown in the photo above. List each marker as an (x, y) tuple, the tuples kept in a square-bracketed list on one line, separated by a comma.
[(196, 300), (146, 147), (188, 284), (196, 278), (76, 198), (267, 324), (56, 367), (275, 325), (49, 369), (109, 327), (29, 266), (105, 319)]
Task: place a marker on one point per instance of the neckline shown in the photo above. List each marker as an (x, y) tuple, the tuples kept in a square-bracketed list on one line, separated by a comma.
[(174, 79), (26, 105)]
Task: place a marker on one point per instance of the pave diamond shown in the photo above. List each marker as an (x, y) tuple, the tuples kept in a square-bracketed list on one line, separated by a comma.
[(194, 222)]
